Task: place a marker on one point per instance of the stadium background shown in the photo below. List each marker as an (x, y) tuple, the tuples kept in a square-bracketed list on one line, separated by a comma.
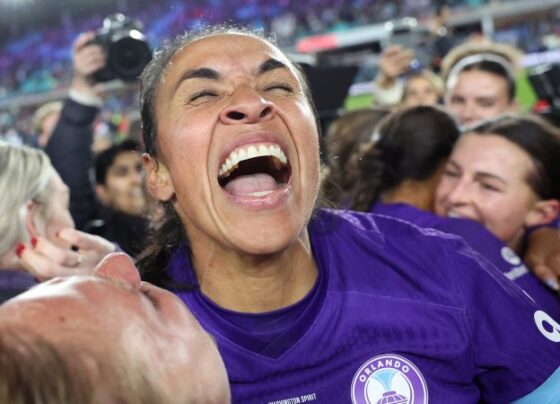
[(332, 38)]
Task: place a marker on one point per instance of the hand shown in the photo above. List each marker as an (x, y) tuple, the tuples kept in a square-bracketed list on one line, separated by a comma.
[(74, 253), (543, 255), (393, 62), (87, 58)]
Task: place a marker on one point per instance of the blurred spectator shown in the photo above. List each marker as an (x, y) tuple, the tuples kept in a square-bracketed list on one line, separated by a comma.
[(480, 79), (45, 120), (120, 187), (422, 88), (36, 231), (70, 150)]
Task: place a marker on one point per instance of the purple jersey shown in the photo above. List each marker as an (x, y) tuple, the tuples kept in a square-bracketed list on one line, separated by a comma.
[(484, 242), (398, 314)]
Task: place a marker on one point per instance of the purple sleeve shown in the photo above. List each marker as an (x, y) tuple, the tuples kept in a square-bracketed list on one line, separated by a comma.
[(514, 350)]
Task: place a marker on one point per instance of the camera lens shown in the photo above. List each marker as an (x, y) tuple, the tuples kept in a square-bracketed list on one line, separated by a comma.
[(128, 57)]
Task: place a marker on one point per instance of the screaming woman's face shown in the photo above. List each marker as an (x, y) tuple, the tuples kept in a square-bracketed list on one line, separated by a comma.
[(237, 145)]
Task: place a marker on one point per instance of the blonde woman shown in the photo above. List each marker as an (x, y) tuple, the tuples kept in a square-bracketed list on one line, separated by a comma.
[(37, 235)]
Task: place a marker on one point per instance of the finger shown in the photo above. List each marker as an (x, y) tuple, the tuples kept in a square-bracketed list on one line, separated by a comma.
[(41, 266), (553, 264), (58, 255), (544, 273), (85, 241), (83, 39)]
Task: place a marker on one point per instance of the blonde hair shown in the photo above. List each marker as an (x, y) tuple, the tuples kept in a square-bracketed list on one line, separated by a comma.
[(24, 175), (508, 54)]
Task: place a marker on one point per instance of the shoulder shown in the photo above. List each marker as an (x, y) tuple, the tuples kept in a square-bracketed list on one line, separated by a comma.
[(377, 254)]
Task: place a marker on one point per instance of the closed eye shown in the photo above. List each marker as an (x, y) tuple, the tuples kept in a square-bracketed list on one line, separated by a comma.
[(489, 187), (279, 86), (451, 173), (201, 94)]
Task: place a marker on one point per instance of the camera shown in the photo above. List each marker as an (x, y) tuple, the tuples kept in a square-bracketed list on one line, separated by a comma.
[(125, 46), (545, 80), (409, 34)]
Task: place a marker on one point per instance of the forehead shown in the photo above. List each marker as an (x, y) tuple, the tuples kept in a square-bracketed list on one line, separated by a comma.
[(491, 152), (225, 52), (126, 158), (480, 83)]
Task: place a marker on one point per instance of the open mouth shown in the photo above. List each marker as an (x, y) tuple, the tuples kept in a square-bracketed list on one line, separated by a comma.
[(254, 170)]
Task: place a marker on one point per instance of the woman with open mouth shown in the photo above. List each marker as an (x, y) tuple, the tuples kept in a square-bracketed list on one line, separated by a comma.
[(306, 304)]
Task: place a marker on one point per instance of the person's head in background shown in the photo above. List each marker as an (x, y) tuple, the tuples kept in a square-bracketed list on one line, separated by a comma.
[(504, 174), (480, 81), (405, 158), (44, 121), (343, 137), (119, 178), (34, 200), (106, 338), (422, 88)]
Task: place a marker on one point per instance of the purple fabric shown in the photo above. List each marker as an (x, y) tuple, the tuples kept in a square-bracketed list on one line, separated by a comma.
[(12, 283), (399, 312), (485, 243)]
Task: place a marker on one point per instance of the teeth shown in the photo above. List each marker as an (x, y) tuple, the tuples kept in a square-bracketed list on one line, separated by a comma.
[(249, 152)]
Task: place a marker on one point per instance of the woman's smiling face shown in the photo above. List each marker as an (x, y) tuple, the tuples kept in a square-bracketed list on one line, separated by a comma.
[(486, 179), (237, 145)]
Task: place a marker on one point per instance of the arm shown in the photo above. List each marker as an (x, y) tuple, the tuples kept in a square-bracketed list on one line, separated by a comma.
[(393, 62), (543, 255), (69, 147)]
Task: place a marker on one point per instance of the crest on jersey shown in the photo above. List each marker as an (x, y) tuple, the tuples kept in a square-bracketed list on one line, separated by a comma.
[(388, 379)]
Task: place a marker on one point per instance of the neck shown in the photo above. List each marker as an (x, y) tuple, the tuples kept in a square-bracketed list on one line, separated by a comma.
[(256, 283), (416, 193)]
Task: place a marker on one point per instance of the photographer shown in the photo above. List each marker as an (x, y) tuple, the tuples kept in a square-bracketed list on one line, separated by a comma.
[(70, 146)]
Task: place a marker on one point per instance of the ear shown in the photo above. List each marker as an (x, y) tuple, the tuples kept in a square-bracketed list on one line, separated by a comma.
[(513, 106), (158, 179), (102, 195), (30, 225), (543, 212)]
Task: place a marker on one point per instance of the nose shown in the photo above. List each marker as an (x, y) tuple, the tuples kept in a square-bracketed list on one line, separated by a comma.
[(467, 114), (459, 194), (118, 267), (247, 106), (137, 176)]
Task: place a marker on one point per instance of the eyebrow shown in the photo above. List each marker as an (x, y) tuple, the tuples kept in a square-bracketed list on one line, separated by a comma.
[(485, 175), (211, 74), (201, 73), (269, 65), (479, 174)]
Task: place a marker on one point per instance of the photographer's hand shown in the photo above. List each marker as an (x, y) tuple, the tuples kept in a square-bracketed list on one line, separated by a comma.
[(394, 61), (87, 58)]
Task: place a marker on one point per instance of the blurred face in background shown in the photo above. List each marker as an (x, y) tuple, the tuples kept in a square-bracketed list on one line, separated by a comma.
[(124, 184), (486, 180), (478, 95), (420, 91)]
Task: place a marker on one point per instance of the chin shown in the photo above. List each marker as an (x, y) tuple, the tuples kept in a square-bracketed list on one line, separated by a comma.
[(272, 237)]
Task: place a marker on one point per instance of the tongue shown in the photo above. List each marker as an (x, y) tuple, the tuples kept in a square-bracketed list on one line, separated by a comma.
[(246, 185)]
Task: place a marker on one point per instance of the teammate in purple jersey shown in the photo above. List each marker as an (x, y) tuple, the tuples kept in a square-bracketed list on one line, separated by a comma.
[(330, 307), (485, 243)]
